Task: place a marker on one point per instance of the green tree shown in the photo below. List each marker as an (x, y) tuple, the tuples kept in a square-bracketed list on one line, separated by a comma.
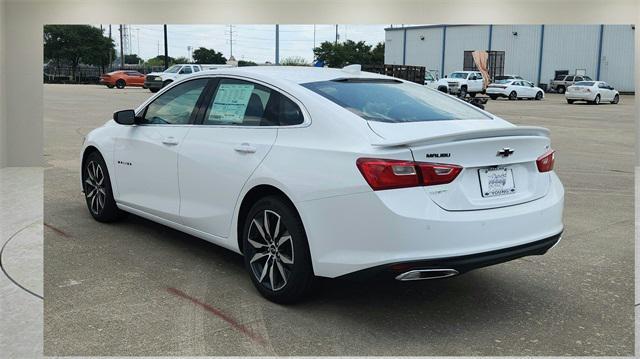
[(132, 59), (203, 55), (75, 44), (246, 63), (349, 52), (159, 61), (294, 61), (181, 60)]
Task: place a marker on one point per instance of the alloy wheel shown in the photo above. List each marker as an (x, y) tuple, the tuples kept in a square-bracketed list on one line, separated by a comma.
[(94, 187), (271, 250)]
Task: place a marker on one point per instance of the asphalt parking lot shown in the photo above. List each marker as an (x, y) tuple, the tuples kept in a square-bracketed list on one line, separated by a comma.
[(141, 289)]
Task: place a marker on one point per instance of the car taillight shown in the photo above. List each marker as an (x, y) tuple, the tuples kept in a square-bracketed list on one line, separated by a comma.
[(546, 161), (383, 174)]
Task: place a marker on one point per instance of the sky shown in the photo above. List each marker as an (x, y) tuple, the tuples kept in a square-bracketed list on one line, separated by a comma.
[(250, 42)]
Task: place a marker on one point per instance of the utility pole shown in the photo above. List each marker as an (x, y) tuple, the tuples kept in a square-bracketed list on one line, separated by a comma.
[(158, 47), (336, 43), (138, 38), (110, 59), (277, 44), (166, 49), (121, 49), (231, 40), (314, 36)]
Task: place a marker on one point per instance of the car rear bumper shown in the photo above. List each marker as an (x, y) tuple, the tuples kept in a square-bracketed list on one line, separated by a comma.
[(580, 96), (496, 92), (456, 265), (355, 232)]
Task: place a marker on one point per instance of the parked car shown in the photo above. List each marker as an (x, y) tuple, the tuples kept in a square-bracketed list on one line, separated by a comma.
[(122, 78), (514, 89), (324, 172), (507, 77), (462, 83), (592, 91), (157, 80), (560, 85)]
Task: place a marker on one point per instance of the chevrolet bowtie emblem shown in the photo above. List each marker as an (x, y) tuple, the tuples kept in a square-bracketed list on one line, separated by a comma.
[(505, 152)]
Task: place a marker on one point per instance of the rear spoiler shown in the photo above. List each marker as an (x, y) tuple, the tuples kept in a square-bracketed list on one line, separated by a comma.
[(468, 135)]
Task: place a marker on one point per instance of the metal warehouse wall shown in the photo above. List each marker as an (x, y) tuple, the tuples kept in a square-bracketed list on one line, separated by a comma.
[(565, 47), (522, 51), (393, 47), (424, 48), (617, 65), (569, 47), (460, 39)]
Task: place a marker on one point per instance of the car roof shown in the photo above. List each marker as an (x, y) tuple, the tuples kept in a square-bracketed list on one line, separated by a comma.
[(293, 74)]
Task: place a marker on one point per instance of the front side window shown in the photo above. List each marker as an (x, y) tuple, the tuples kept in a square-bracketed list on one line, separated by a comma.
[(196, 69), (186, 70), (176, 106), (394, 101)]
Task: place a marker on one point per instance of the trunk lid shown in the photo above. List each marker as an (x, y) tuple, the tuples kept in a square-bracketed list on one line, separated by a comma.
[(498, 159)]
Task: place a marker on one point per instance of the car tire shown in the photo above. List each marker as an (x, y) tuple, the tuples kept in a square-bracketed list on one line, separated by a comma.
[(279, 268), (539, 96), (616, 99), (110, 86), (596, 100), (444, 89), (560, 89), (493, 97), (463, 92), (98, 193), (472, 94), (513, 95), (570, 101), (154, 90), (120, 84), (166, 83)]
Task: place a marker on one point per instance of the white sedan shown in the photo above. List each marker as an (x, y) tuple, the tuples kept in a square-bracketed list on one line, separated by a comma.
[(315, 172), (593, 92), (514, 89)]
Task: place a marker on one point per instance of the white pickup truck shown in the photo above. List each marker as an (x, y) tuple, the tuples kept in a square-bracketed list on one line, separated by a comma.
[(154, 81), (462, 83)]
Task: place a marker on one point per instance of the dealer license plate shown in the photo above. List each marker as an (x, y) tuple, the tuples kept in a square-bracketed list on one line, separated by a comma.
[(496, 181)]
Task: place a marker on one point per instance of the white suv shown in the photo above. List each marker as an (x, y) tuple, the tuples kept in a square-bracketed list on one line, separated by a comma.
[(462, 83)]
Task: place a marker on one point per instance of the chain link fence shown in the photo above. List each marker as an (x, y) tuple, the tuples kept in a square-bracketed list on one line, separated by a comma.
[(85, 74)]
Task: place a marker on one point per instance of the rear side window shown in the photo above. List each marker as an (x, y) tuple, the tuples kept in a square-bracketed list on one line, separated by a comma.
[(394, 101), (568, 78), (244, 103)]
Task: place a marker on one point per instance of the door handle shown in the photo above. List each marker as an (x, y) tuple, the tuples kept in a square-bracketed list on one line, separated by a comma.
[(245, 148), (170, 141)]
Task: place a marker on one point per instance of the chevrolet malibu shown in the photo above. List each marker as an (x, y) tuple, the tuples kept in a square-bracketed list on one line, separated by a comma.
[(315, 172)]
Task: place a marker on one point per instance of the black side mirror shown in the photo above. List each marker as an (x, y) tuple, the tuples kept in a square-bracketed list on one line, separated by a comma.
[(125, 117), (445, 76)]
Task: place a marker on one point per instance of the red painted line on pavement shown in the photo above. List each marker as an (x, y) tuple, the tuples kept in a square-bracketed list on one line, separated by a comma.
[(220, 314), (58, 231)]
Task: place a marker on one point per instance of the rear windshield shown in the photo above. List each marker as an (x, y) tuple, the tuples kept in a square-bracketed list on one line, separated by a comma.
[(584, 83), (394, 101)]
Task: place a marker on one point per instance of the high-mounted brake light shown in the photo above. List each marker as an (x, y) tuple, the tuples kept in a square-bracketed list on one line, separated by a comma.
[(545, 162), (383, 174)]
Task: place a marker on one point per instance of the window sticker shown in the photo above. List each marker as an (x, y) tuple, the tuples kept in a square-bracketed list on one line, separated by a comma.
[(230, 103)]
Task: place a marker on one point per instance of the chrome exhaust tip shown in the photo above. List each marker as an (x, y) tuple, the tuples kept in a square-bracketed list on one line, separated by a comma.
[(422, 274)]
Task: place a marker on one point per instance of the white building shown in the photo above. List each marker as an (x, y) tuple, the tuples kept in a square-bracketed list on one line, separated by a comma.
[(535, 52)]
